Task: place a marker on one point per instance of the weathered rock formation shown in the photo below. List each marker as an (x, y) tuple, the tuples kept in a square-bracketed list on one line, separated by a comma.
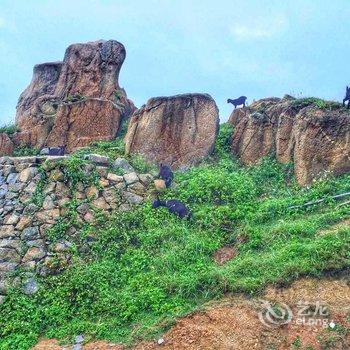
[(74, 102), (317, 140), (179, 130), (6, 145), (25, 223)]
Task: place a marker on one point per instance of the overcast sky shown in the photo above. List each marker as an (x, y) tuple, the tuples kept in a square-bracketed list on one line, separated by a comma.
[(227, 48)]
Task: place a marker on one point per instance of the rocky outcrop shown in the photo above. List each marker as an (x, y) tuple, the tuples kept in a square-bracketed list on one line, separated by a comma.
[(74, 102), (35, 193), (6, 145), (179, 130), (316, 139)]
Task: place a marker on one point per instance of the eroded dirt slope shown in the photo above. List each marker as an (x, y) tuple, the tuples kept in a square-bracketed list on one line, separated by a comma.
[(233, 323)]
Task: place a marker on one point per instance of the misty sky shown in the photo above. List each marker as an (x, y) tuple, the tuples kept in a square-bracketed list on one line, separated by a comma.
[(228, 48)]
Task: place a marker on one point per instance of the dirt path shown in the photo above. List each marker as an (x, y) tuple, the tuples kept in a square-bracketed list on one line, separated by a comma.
[(234, 323)]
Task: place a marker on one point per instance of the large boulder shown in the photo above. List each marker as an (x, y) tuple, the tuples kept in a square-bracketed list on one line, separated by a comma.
[(179, 130), (74, 102), (6, 145), (316, 139)]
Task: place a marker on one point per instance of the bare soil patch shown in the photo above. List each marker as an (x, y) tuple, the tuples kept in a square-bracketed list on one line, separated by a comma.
[(224, 254)]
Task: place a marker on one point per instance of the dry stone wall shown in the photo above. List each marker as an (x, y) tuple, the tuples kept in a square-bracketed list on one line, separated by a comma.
[(36, 192)]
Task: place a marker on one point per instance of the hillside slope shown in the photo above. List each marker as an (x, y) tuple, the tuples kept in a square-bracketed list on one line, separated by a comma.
[(233, 323), (146, 267)]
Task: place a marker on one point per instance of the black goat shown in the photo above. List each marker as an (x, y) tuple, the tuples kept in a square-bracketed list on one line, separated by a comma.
[(166, 174), (347, 97), (175, 207), (57, 151), (238, 101)]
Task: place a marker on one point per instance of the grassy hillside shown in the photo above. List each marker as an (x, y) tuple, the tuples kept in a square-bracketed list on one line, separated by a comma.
[(147, 267)]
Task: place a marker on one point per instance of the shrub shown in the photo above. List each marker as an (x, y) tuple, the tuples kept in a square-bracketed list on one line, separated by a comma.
[(26, 151), (317, 102), (223, 140), (8, 129)]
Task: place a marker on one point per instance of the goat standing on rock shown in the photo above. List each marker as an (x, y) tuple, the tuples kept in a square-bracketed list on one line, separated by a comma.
[(238, 101), (347, 97), (166, 174)]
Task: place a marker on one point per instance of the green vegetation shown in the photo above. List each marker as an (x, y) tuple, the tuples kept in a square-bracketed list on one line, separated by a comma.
[(222, 147), (317, 102), (297, 343), (74, 98), (8, 129), (26, 151), (146, 267), (123, 128), (38, 195), (114, 149), (118, 95), (76, 170)]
